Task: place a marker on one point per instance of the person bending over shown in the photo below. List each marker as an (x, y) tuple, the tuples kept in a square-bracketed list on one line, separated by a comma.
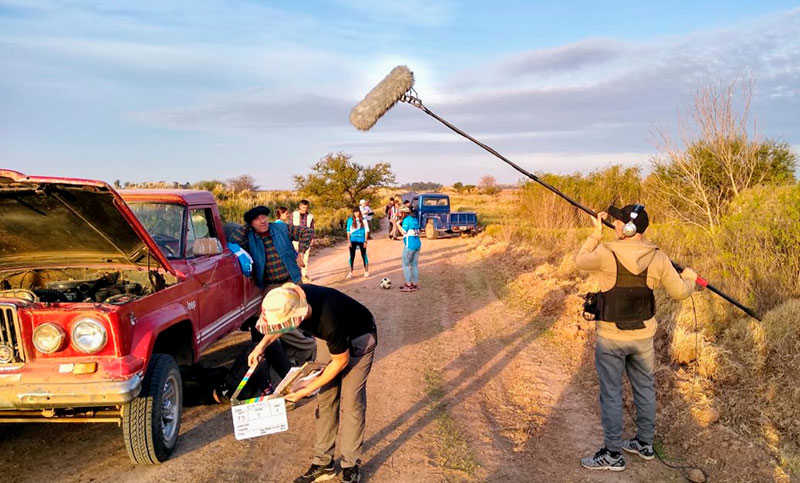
[(347, 336)]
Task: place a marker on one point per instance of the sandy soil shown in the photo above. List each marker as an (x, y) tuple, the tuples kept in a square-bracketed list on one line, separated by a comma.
[(466, 387)]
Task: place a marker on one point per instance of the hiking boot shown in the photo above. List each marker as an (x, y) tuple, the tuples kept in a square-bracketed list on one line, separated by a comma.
[(351, 475), (604, 460), (645, 451), (317, 473)]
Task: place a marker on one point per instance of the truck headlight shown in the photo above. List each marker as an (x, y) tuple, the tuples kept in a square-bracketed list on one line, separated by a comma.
[(89, 335), (48, 338)]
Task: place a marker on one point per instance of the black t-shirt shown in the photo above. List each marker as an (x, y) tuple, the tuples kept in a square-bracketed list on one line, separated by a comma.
[(335, 317)]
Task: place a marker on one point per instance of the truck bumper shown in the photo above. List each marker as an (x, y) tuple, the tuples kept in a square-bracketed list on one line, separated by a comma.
[(72, 395)]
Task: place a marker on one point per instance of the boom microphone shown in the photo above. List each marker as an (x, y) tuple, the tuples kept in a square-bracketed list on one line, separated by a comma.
[(381, 98), (395, 88)]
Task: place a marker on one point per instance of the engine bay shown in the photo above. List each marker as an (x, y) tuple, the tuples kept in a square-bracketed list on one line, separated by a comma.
[(73, 285)]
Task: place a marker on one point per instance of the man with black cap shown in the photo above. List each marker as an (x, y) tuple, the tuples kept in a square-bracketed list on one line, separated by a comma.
[(275, 262), (628, 270)]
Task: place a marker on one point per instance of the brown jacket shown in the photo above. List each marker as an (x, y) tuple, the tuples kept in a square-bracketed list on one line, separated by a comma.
[(636, 256)]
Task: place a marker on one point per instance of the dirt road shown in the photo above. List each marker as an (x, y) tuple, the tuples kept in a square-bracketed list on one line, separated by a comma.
[(466, 387)]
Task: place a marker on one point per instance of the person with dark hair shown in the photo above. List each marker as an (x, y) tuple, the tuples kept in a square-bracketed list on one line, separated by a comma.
[(282, 216), (357, 236), (628, 270), (302, 217), (408, 226)]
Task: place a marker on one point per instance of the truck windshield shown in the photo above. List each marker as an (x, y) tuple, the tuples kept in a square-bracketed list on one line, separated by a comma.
[(164, 223), (435, 202)]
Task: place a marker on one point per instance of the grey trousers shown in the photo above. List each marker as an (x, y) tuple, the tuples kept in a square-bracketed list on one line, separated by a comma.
[(636, 357), (343, 400)]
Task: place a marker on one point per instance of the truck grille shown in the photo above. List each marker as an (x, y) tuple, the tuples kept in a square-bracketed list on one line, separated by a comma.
[(9, 333)]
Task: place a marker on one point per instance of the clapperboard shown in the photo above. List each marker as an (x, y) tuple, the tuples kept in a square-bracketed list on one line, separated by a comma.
[(257, 416)]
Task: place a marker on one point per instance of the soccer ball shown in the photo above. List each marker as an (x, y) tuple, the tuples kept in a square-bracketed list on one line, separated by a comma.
[(386, 283)]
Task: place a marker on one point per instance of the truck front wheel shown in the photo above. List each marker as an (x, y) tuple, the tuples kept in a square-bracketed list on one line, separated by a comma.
[(152, 421), (430, 231)]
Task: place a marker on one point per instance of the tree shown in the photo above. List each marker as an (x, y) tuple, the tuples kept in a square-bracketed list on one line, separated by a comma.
[(458, 186), (422, 186), (488, 184), (717, 158), (338, 182), (241, 183)]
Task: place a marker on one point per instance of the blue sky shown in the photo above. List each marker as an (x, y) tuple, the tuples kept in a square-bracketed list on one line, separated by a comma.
[(190, 90)]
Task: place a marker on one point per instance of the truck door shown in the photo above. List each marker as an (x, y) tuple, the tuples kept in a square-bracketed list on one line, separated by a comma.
[(219, 302)]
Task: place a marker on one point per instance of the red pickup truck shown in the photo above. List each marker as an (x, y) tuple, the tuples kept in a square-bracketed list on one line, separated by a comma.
[(103, 296)]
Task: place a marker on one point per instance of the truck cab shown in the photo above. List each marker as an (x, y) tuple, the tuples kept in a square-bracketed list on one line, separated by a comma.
[(103, 296), (432, 211)]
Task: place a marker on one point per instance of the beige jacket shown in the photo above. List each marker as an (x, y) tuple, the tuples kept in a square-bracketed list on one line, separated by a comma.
[(636, 256)]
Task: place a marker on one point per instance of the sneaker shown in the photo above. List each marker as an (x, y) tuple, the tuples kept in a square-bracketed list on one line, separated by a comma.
[(366, 274), (406, 288), (317, 473), (645, 451), (414, 287), (349, 276), (351, 475), (603, 460)]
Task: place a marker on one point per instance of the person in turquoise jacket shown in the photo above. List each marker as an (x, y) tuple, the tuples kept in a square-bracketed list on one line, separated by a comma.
[(409, 228), (357, 236)]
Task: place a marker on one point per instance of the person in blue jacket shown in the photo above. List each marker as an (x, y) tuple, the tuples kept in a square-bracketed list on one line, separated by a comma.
[(409, 228), (357, 236)]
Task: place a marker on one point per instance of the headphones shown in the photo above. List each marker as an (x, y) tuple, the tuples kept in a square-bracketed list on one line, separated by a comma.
[(630, 227)]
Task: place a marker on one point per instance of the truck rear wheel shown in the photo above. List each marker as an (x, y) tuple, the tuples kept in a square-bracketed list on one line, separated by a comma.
[(152, 421), (430, 231)]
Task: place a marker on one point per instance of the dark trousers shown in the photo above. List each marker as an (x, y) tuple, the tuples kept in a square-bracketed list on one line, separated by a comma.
[(362, 249), (342, 404)]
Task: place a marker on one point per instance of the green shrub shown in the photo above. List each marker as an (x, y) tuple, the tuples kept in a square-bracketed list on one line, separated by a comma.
[(759, 245), (597, 190)]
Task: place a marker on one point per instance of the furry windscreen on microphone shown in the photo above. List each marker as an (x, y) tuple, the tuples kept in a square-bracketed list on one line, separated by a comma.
[(381, 98)]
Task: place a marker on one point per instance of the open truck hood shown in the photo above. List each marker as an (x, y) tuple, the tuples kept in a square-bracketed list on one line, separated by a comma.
[(48, 222)]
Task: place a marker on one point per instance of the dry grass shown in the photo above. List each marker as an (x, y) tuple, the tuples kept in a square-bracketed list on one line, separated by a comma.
[(745, 370)]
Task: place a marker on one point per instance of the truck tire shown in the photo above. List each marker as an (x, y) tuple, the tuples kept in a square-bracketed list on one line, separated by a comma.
[(152, 421), (430, 231)]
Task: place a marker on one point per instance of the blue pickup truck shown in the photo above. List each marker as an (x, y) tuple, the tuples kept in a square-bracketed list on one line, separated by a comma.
[(432, 211)]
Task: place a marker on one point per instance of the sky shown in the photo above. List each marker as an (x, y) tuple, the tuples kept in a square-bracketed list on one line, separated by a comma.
[(191, 90)]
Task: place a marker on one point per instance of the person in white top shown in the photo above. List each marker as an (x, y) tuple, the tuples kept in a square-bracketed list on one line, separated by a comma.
[(366, 212), (302, 217)]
